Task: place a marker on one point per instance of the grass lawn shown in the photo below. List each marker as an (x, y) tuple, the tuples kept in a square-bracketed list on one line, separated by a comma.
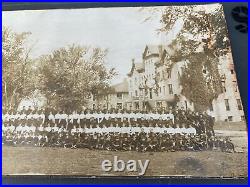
[(53, 161)]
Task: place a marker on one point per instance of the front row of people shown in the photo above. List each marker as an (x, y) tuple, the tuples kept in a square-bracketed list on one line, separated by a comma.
[(133, 140)]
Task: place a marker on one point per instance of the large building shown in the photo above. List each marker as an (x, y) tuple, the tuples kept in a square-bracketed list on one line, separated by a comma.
[(228, 106), (154, 82)]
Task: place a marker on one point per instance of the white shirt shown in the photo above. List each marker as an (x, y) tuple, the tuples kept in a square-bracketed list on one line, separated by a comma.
[(58, 116), (41, 128), (30, 116), (33, 128), (82, 116), (80, 130), (192, 130), (156, 129), (136, 129), (64, 116), (48, 129), (6, 117), (22, 116), (19, 128), (4, 128), (12, 128), (146, 129), (51, 117), (55, 129), (88, 116), (73, 130), (25, 129), (36, 116), (171, 130)]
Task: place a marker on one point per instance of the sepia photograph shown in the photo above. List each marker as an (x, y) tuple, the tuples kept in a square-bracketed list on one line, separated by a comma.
[(128, 91)]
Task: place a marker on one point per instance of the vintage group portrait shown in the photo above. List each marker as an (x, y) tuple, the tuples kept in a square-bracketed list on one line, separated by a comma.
[(128, 91)]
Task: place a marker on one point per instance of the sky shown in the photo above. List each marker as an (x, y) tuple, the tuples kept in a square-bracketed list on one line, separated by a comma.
[(121, 30)]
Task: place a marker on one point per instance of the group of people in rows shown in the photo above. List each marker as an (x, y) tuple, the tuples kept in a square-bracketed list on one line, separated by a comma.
[(162, 130)]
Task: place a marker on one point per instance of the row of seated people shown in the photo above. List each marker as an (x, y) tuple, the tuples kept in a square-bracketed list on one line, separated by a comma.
[(101, 129), (178, 116), (75, 117), (138, 141)]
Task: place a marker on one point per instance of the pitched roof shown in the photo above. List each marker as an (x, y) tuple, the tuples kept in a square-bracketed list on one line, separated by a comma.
[(120, 87), (137, 67), (152, 50)]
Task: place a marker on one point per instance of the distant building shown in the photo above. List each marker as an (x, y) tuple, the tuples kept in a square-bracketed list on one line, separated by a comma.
[(116, 98)]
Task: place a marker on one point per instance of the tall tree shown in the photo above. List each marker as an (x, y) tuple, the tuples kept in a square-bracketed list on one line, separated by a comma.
[(201, 41), (70, 75), (16, 68)]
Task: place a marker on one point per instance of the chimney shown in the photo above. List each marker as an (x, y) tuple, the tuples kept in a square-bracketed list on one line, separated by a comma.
[(133, 60)]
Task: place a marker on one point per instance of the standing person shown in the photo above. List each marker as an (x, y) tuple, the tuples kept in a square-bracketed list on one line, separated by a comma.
[(82, 118), (51, 118), (17, 118), (42, 116), (40, 129), (35, 118), (88, 115), (58, 118), (63, 119)]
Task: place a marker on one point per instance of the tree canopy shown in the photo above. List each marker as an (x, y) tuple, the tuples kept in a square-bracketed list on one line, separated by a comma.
[(201, 41), (70, 74), (16, 68), (67, 77)]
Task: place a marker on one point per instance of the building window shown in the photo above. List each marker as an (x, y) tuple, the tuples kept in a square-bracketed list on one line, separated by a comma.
[(179, 75), (141, 92), (136, 93), (235, 86), (160, 89), (163, 75), (243, 118), (119, 95), (137, 106), (93, 106), (223, 86), (164, 90), (227, 104), (170, 87), (169, 73), (119, 105), (239, 104), (230, 118), (232, 71), (150, 94)]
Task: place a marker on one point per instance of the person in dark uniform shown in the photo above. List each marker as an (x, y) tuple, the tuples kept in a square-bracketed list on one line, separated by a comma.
[(107, 142), (143, 144), (116, 142)]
